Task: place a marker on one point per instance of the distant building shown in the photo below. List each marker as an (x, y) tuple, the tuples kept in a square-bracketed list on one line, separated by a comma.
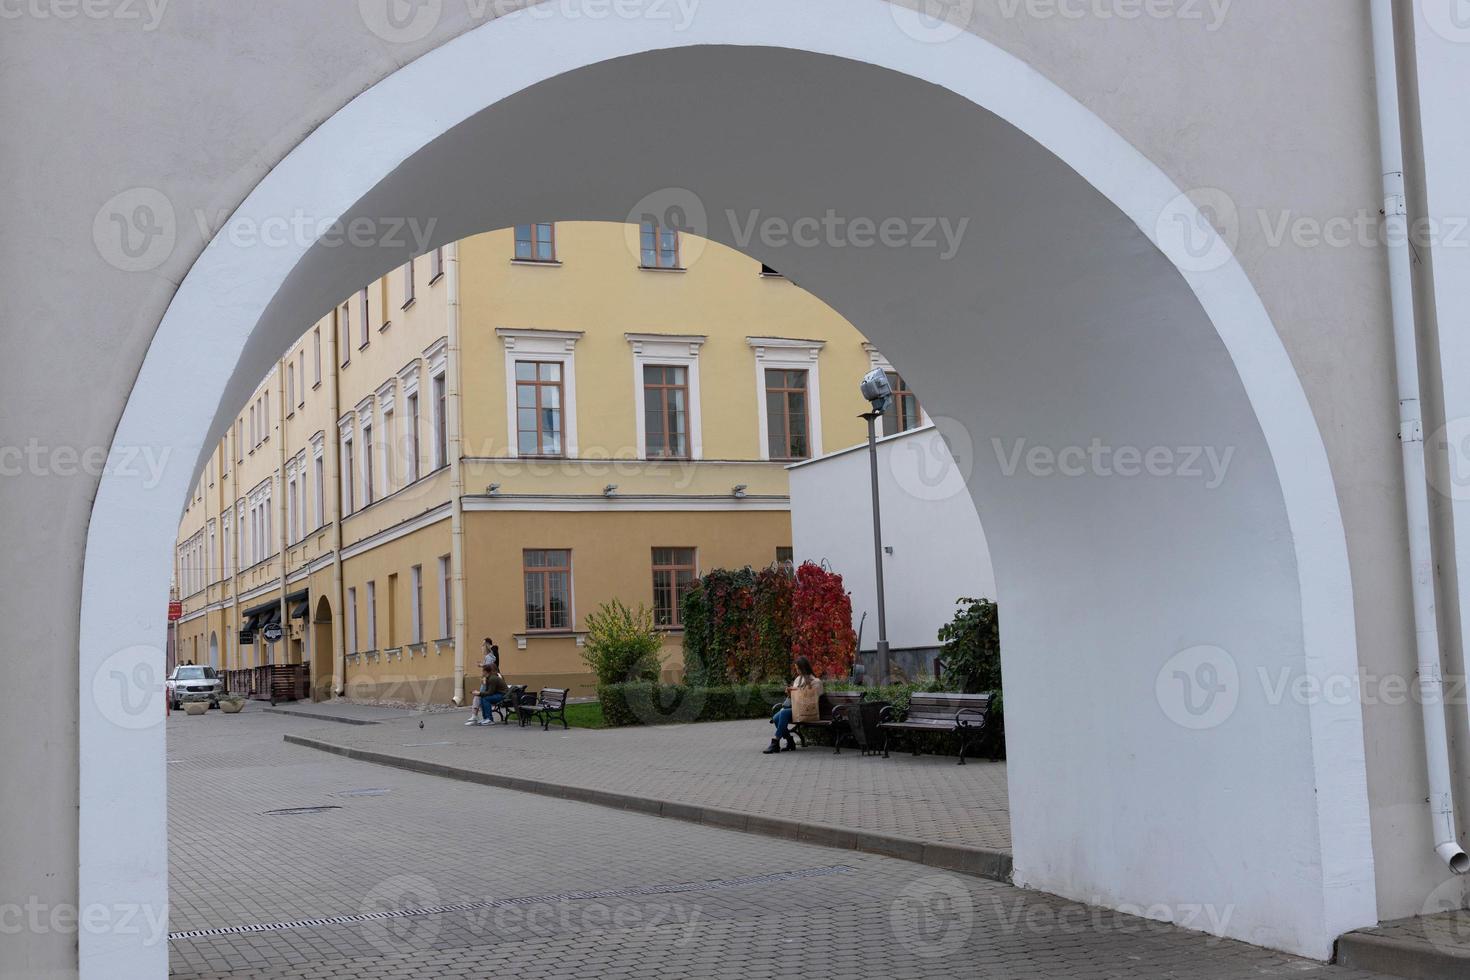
[(601, 411), (934, 547)]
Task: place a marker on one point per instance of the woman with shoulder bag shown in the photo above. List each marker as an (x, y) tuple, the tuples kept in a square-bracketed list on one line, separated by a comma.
[(803, 698)]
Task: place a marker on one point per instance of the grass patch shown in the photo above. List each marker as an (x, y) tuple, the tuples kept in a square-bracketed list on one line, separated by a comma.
[(587, 715)]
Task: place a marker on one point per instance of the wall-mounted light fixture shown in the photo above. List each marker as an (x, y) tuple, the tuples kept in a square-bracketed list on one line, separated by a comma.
[(738, 490)]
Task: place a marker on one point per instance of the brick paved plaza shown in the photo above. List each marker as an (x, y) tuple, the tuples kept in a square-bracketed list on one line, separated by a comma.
[(542, 887)]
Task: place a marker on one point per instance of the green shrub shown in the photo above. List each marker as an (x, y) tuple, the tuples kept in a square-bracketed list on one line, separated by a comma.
[(622, 644), (642, 703), (971, 648)]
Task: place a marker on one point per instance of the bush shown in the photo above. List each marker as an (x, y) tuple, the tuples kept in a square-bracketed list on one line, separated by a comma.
[(642, 703), (822, 622), (622, 644), (971, 648)]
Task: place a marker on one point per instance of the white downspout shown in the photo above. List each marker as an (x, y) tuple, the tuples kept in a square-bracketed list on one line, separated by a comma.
[(1411, 438), (454, 438)]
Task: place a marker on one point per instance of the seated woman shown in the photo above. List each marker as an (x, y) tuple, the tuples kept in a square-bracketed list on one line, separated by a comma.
[(492, 692), (807, 710)]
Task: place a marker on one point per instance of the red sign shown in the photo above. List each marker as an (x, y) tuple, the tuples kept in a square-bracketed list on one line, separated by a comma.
[(175, 611)]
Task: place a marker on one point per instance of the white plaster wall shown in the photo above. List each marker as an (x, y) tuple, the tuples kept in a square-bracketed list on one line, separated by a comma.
[(1273, 107), (939, 550)]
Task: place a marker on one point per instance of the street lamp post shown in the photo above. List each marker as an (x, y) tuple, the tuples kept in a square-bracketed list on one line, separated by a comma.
[(877, 390)]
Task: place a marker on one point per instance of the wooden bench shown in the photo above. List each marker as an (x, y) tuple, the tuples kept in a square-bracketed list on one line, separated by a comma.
[(966, 716), (549, 705), (832, 709), (515, 695)]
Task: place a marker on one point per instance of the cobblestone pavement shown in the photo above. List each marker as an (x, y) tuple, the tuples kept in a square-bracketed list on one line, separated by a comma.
[(414, 876), (928, 799)]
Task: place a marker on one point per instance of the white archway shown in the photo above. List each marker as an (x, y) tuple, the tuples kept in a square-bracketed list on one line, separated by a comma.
[(1081, 280)]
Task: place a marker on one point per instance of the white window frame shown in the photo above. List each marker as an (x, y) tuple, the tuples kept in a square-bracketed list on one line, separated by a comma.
[(345, 465), (291, 515), (290, 387), (319, 470), (316, 346), (416, 610), (301, 378), (436, 358), (408, 284), (551, 346), (388, 417), (408, 377), (791, 354), (372, 614), (365, 454), (665, 350), (446, 626), (364, 310), (240, 563), (352, 619)]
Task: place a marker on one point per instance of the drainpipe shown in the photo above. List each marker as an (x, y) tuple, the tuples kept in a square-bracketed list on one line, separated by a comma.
[(333, 436), (456, 467), (1411, 438), (283, 533)]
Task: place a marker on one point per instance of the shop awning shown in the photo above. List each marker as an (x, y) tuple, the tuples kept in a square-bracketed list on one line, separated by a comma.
[(299, 610)]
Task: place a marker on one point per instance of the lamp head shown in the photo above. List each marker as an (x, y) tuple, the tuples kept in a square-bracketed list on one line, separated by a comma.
[(876, 389)]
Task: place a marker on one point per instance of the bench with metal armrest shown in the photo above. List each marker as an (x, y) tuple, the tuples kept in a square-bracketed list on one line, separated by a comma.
[(966, 716), (832, 716), (549, 705)]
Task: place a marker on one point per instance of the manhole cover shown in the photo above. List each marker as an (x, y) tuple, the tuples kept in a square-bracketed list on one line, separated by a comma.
[(293, 810), (365, 792), (415, 745)]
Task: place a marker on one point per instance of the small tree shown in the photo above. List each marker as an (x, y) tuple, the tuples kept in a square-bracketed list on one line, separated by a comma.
[(772, 625), (822, 621), (971, 648), (622, 644)]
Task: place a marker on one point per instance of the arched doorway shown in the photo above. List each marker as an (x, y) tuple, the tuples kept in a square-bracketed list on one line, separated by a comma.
[(1074, 304), (321, 651)]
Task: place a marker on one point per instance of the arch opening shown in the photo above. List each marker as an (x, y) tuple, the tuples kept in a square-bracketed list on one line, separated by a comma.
[(1051, 326)]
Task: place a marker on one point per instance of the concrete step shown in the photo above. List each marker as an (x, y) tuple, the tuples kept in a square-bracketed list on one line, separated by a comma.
[(1430, 947)]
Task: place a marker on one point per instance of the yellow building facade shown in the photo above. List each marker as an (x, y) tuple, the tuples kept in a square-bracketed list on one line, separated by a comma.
[(498, 437)]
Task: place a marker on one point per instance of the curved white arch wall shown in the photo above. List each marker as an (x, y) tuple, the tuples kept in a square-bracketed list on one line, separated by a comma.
[(1064, 315)]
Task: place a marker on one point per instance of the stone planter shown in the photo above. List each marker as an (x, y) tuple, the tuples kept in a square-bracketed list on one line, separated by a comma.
[(196, 707), (231, 707)]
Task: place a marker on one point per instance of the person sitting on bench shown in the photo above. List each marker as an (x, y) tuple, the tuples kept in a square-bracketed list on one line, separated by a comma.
[(803, 697), (492, 692)]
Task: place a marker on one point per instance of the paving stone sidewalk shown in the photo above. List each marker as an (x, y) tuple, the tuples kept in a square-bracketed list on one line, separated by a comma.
[(929, 799), (413, 876)]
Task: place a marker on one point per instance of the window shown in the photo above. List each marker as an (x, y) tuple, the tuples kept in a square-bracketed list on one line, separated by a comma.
[(673, 575), (902, 413), (659, 245), (316, 353), (318, 472), (446, 598), (290, 388), (408, 284), (292, 515), (441, 424), (352, 620), (347, 471), (436, 264), (786, 413), (538, 408), (416, 603), (548, 576), (786, 556), (536, 243), (390, 471), (666, 411), (367, 461), (239, 443), (362, 315), (301, 378), (372, 615), (344, 333), (770, 273), (227, 546), (411, 437)]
